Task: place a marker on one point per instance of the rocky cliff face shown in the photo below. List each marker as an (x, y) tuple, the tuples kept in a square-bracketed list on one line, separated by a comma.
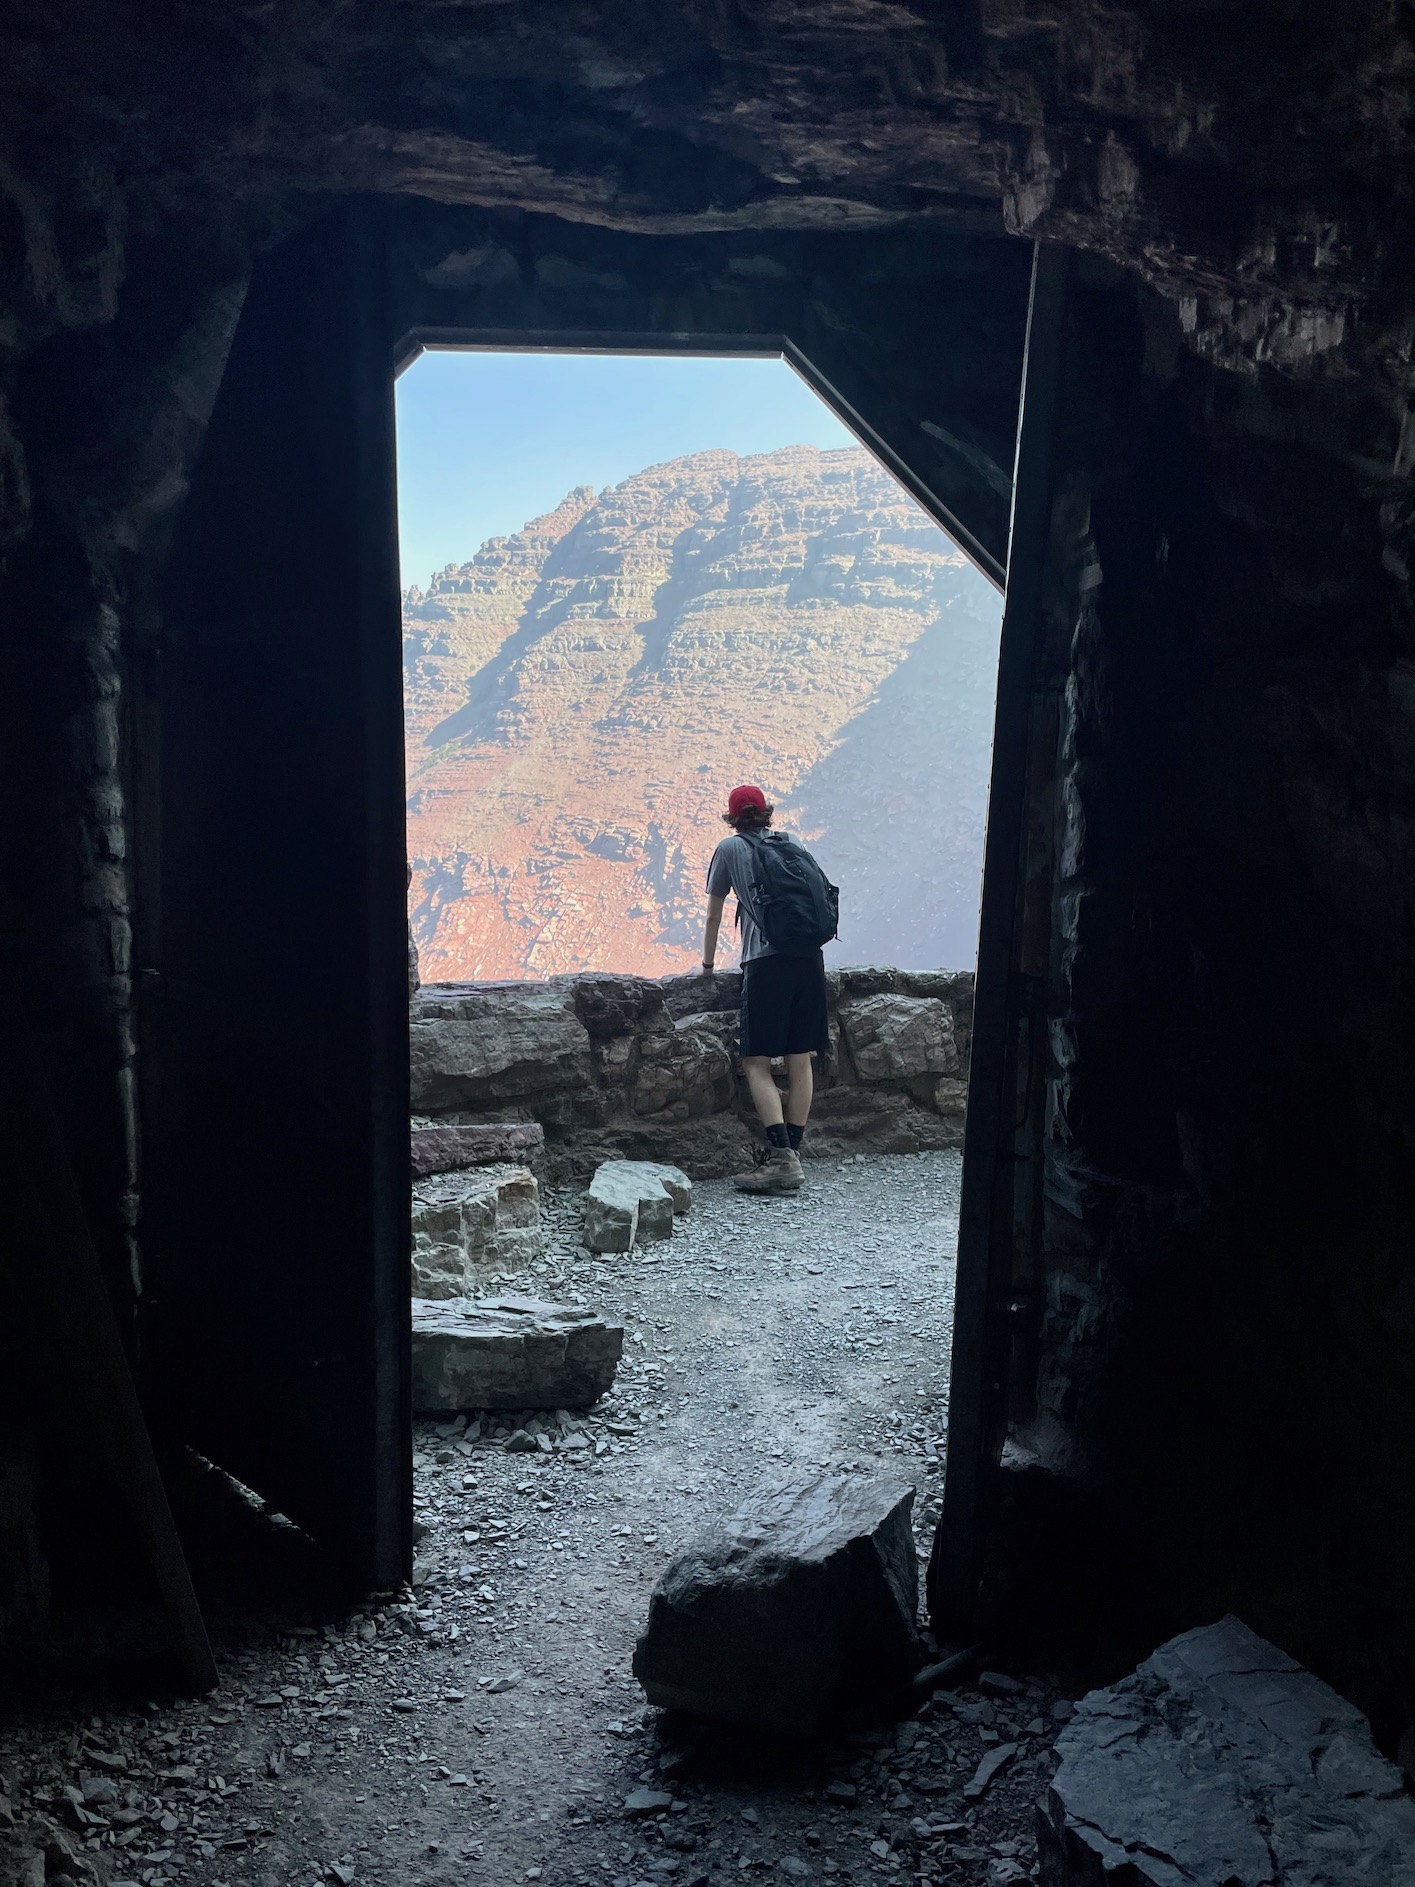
[(581, 696)]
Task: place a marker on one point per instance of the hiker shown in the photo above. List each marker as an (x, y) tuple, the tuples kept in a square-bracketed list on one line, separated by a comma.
[(787, 912)]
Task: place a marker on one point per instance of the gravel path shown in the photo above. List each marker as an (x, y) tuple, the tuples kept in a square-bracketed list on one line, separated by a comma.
[(485, 1728)]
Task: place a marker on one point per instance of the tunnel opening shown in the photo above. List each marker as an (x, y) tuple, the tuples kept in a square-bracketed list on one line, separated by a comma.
[(316, 609), (576, 688), (277, 677), (750, 590)]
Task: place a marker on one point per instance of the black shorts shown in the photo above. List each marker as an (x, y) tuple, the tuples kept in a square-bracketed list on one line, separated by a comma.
[(783, 1006)]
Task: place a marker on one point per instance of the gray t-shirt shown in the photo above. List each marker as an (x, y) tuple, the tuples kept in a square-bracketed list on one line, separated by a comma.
[(731, 870)]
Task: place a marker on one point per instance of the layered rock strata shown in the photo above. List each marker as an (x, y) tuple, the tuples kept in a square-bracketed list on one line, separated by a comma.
[(492, 1143), (466, 1226), (580, 696), (616, 1068)]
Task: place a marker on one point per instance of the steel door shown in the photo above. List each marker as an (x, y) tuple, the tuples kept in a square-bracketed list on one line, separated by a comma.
[(275, 977)]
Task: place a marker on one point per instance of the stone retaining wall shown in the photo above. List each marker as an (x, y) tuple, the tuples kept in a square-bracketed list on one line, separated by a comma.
[(625, 1067)]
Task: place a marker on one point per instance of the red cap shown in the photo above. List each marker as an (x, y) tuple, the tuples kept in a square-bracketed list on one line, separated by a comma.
[(741, 798)]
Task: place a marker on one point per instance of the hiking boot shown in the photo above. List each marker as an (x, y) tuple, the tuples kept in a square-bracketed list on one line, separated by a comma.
[(774, 1169)]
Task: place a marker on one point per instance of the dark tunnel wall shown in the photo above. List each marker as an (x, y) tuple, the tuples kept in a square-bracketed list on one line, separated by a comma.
[(1212, 1258)]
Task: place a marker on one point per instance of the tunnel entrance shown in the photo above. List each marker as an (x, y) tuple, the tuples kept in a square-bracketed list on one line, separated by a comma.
[(277, 1332), (1185, 1294), (278, 1031), (626, 576), (715, 576)]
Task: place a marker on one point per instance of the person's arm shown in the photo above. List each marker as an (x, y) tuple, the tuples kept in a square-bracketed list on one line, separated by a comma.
[(714, 924)]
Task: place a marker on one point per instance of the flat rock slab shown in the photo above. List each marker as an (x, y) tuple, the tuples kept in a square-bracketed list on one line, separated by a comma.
[(796, 1613), (451, 1149), (480, 1045), (633, 1201), (1221, 1762), (510, 1353)]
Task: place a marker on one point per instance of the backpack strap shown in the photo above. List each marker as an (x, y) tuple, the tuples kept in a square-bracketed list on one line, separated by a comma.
[(751, 838)]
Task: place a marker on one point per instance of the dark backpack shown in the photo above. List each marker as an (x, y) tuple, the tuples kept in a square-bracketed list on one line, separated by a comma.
[(797, 909)]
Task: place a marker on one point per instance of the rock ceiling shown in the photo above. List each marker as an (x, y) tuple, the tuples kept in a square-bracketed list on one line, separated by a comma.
[(1252, 160)]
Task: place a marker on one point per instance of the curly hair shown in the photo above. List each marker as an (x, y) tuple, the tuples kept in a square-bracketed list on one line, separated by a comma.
[(750, 819)]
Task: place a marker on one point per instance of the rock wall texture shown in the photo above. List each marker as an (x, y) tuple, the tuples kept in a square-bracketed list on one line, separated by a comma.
[(622, 1067), (1209, 1265), (796, 614), (1221, 1759)]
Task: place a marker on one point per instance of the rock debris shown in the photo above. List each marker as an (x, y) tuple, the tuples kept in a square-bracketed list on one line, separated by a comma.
[(482, 1727)]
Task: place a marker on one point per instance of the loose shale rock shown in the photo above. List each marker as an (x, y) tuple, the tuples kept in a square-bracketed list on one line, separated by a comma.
[(1222, 1762), (630, 1201), (510, 1353), (798, 1611)]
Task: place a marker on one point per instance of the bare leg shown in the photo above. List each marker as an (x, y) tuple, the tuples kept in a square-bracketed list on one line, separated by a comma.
[(802, 1089), (766, 1096), (777, 1169)]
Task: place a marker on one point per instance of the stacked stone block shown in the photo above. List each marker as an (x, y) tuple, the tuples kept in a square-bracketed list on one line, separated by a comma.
[(625, 1067)]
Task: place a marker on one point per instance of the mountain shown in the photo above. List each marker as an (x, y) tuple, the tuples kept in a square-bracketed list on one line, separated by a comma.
[(581, 696)]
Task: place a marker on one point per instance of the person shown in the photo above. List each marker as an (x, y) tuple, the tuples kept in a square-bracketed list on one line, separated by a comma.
[(783, 1002)]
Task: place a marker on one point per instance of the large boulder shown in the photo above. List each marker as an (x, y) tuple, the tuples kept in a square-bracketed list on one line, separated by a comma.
[(470, 1224), (797, 1612), (893, 1037), (633, 1201), (473, 1045), (511, 1353), (1222, 1762)]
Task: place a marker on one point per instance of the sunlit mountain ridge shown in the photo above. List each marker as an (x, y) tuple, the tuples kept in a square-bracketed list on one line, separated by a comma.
[(581, 696)]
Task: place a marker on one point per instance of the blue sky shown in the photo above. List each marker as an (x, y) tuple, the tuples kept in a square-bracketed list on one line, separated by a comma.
[(486, 441)]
